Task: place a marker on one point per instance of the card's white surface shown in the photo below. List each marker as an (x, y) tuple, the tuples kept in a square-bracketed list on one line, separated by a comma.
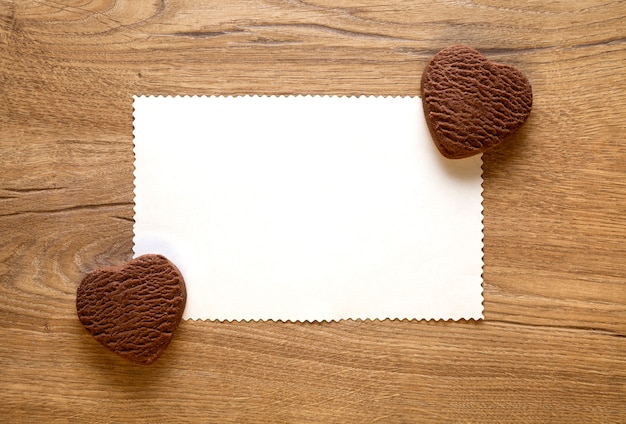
[(307, 208)]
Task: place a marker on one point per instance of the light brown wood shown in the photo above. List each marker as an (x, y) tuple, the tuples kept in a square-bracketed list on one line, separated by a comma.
[(552, 347)]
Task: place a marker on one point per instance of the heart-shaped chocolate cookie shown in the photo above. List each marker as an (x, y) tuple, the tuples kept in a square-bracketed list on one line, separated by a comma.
[(133, 309), (472, 104)]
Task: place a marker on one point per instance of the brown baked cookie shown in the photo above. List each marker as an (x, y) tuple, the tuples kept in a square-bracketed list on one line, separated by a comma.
[(472, 104), (133, 309)]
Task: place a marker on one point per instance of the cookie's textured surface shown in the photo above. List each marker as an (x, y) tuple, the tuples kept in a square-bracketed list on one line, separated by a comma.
[(133, 309), (471, 103)]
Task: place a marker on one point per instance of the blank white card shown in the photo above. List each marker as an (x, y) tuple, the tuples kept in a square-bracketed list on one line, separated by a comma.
[(307, 208)]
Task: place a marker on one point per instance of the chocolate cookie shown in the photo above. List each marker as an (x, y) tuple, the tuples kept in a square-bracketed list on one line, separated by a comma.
[(133, 309), (472, 104)]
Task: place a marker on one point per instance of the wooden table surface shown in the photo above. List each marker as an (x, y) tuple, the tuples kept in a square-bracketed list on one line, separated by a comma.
[(552, 347)]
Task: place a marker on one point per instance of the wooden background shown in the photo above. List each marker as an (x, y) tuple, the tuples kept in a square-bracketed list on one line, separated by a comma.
[(552, 347)]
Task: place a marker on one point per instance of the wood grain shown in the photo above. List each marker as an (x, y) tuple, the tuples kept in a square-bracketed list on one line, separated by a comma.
[(553, 345)]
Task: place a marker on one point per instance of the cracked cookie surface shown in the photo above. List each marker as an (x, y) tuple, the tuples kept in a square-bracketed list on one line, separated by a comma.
[(471, 103), (133, 309)]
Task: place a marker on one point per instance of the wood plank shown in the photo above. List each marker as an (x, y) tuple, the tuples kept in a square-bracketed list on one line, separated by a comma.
[(552, 346)]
